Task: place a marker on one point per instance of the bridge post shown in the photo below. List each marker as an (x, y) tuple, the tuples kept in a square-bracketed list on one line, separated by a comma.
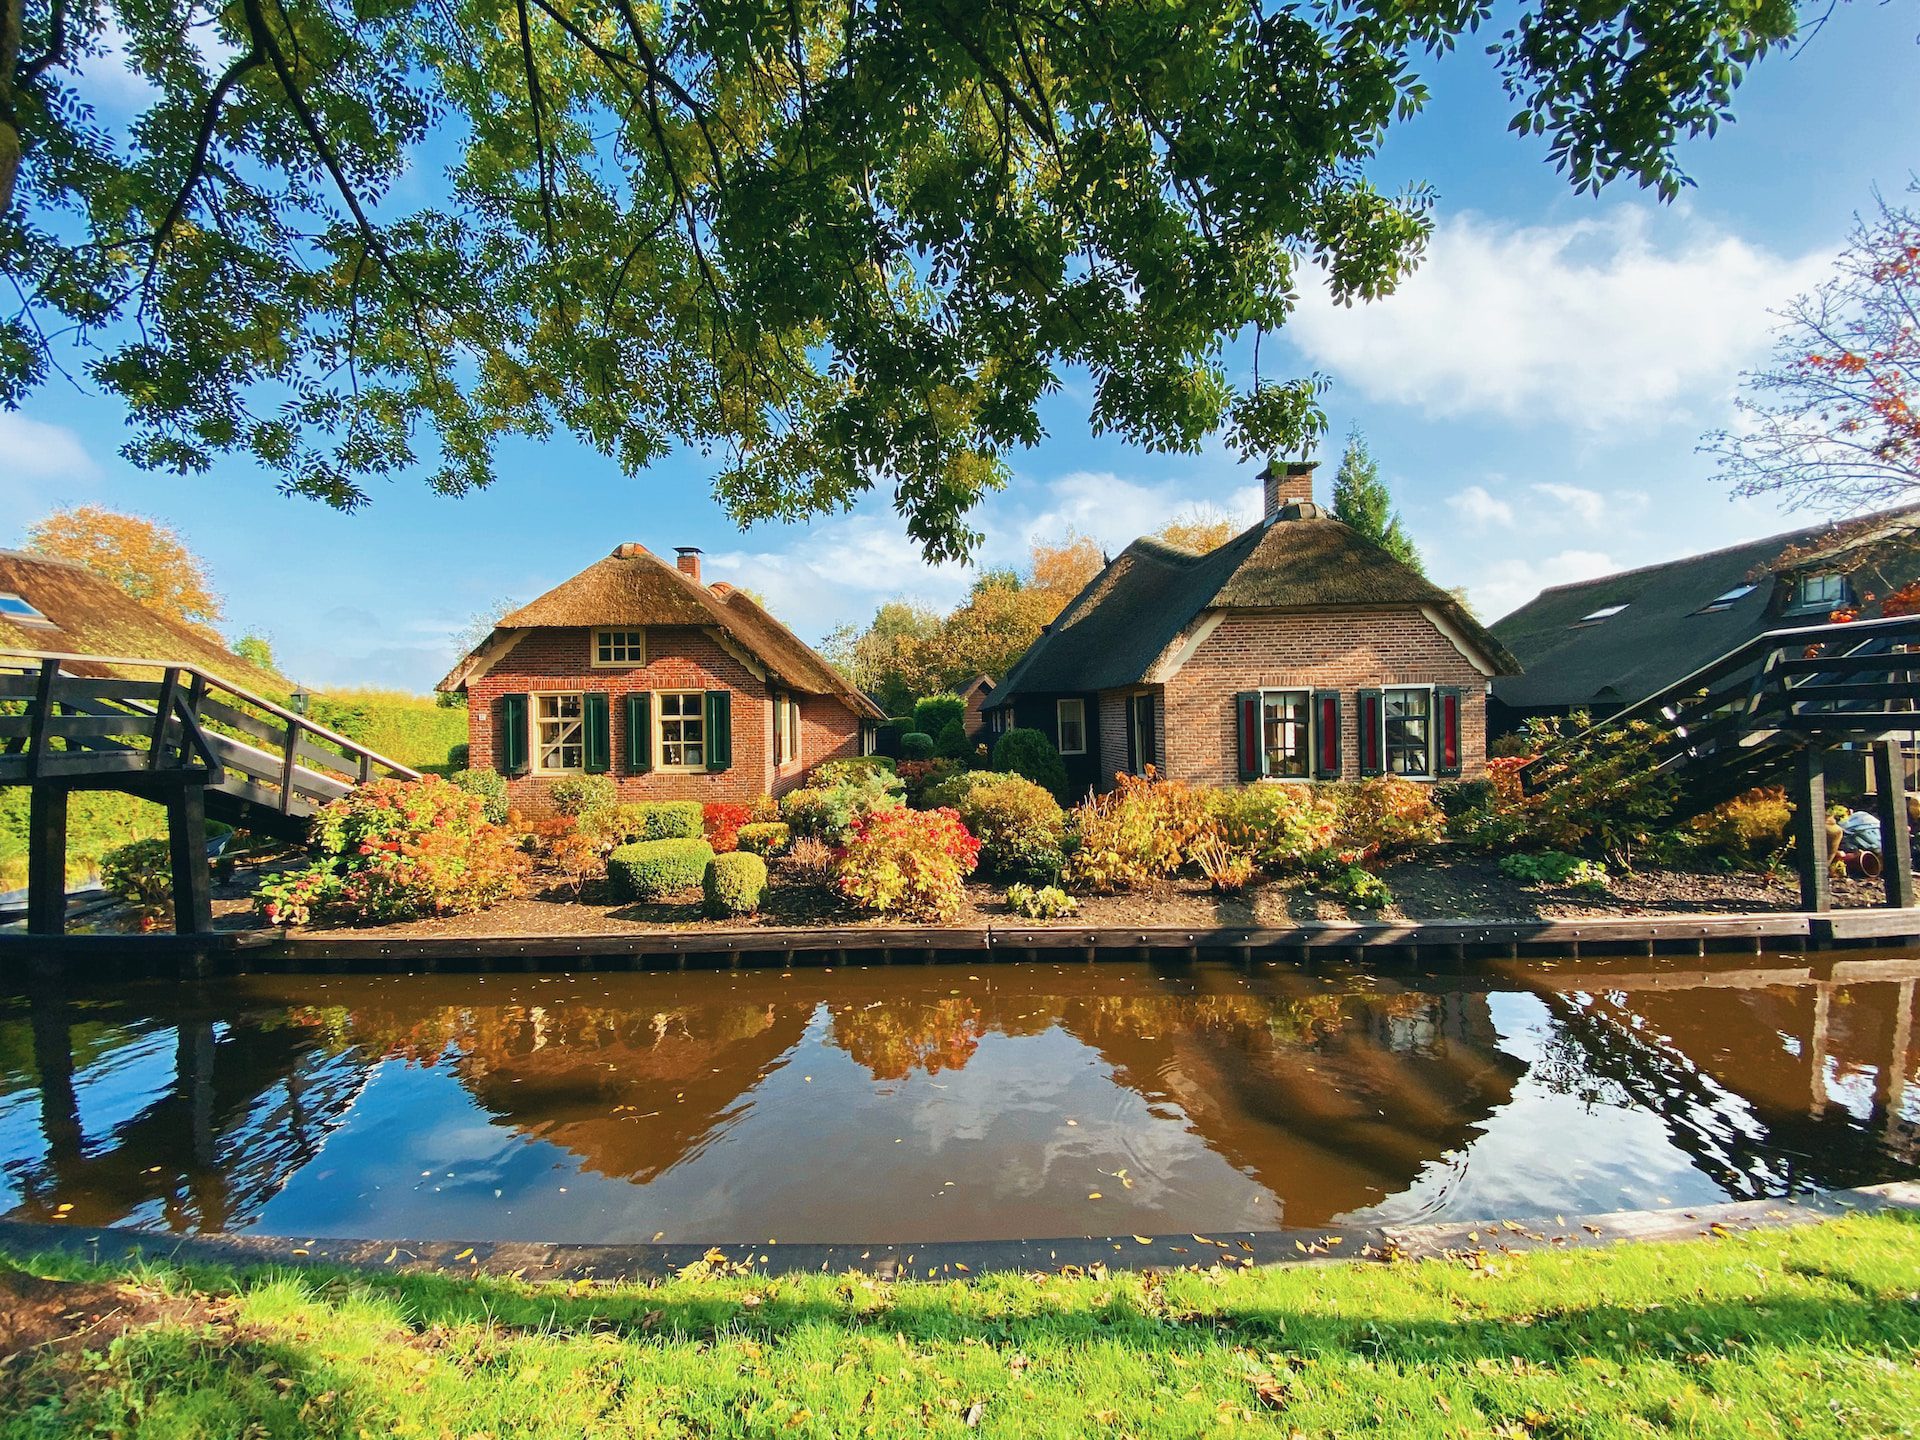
[(47, 859), (187, 848), (1896, 844), (1810, 829)]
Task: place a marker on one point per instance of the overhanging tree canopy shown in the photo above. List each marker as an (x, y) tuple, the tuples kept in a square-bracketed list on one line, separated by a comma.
[(839, 242)]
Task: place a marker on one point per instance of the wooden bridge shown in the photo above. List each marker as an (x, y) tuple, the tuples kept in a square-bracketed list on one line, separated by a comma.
[(1768, 712), (184, 738)]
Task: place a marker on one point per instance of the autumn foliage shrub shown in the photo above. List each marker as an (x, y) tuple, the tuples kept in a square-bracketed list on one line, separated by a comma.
[(397, 850), (490, 786), (1047, 902), (1384, 815), (912, 863), (1226, 868), (141, 873), (1138, 832), (645, 820), (1281, 827), (1748, 828), (827, 812), (764, 837), (722, 820)]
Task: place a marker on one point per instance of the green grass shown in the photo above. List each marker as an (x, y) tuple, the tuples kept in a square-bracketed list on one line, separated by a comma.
[(1804, 1332), (97, 821)]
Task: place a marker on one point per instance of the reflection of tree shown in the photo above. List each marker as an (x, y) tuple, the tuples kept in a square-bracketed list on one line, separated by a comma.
[(893, 1040)]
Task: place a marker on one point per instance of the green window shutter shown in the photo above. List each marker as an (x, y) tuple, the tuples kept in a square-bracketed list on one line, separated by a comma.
[(1446, 720), (1246, 712), (1326, 734), (596, 733), (510, 734), (639, 732), (719, 729), (1371, 733)]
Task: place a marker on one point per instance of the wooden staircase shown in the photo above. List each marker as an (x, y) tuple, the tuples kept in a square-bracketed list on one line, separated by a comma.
[(185, 738), (1767, 712)]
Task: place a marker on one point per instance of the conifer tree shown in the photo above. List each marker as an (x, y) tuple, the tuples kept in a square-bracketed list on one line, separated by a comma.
[(1361, 499)]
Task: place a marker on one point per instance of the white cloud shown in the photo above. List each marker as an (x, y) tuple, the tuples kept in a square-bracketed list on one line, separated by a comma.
[(1502, 586), (35, 450), (1593, 323), (1479, 506)]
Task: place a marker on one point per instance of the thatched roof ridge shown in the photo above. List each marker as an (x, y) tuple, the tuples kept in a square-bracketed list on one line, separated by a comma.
[(634, 587), (1134, 611), (93, 616)]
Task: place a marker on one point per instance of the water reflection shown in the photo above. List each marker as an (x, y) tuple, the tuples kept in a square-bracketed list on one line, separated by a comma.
[(926, 1103)]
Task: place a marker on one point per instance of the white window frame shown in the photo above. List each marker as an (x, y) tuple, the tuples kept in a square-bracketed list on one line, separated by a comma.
[(635, 640), (660, 719), (1060, 723), (536, 750), (1432, 721), (1842, 594), (1308, 727), (35, 618), (786, 729), (794, 734)]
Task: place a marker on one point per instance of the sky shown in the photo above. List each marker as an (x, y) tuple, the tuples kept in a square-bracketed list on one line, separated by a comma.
[(1535, 395)]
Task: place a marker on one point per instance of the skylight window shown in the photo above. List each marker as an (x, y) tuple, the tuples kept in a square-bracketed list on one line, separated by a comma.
[(1605, 612), (13, 608), (1726, 601)]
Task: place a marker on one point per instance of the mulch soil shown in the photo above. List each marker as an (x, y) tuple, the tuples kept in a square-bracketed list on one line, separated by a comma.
[(39, 1317), (1442, 886)]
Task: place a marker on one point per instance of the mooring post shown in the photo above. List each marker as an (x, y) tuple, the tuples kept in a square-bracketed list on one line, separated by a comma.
[(1810, 831), (187, 848), (47, 858), (1896, 844)]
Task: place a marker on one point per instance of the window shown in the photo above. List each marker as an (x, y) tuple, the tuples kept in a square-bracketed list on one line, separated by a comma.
[(1409, 727), (786, 729), (1825, 593), (559, 735), (619, 647), (1605, 612), (1070, 721), (1140, 733), (1286, 729), (683, 730), (1726, 601), (13, 608)]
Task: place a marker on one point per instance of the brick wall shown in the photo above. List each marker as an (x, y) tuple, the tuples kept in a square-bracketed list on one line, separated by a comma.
[(678, 658), (1343, 652), (1113, 734)]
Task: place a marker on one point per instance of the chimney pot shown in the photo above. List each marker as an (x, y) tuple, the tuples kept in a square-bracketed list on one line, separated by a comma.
[(1288, 489), (687, 558)]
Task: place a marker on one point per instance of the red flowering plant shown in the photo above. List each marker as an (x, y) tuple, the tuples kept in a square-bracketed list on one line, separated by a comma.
[(398, 850), (912, 863), (722, 821)]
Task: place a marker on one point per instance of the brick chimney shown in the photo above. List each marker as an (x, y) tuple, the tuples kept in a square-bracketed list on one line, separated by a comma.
[(1287, 487), (629, 551), (687, 557)]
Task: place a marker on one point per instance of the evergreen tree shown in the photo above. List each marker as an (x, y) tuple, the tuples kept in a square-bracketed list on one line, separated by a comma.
[(1361, 499)]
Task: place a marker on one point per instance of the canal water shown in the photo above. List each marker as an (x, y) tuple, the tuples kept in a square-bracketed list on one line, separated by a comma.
[(946, 1102)]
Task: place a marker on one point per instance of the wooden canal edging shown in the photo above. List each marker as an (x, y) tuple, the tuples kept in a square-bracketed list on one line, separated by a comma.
[(1444, 943)]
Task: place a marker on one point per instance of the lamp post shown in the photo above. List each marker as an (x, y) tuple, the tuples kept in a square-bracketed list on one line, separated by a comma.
[(298, 702)]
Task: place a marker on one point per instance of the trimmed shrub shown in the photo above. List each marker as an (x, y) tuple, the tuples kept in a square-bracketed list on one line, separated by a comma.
[(828, 812), (764, 837), (849, 767), (457, 756), (908, 862), (1278, 826), (734, 884), (578, 794), (652, 869), (722, 821), (1019, 825), (1049, 902), (490, 786), (141, 873), (1031, 753), (645, 820), (398, 850), (916, 745), (1384, 815), (952, 743), (934, 713)]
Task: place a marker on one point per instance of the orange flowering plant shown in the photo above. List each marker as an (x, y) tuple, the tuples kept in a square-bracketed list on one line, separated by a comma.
[(908, 862)]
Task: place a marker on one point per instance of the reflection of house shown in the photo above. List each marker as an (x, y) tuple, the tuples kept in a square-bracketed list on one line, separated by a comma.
[(639, 670), (1297, 650), (1602, 644)]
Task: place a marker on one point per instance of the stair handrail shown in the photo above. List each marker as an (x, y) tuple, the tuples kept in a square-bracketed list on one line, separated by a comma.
[(1752, 648), (295, 722)]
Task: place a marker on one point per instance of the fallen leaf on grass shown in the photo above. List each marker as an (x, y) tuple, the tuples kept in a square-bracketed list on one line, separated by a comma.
[(1270, 1388), (974, 1412)]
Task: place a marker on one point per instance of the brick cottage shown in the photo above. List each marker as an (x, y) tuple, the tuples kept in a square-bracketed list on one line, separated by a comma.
[(1298, 650), (679, 690)]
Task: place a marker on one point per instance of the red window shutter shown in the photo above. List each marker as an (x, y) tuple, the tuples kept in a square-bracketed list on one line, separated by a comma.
[(1371, 761), (1326, 734), (1449, 703), (1246, 706)]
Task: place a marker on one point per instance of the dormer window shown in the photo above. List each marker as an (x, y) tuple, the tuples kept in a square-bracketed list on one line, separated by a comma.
[(619, 647), (19, 612), (1605, 612), (1726, 601), (1822, 593)]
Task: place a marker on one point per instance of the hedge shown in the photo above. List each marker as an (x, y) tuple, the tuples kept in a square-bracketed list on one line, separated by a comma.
[(734, 884), (651, 869)]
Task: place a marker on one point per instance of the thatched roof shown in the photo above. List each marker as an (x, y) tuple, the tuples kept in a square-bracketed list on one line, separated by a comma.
[(1133, 612), (92, 616), (1666, 632), (634, 587)]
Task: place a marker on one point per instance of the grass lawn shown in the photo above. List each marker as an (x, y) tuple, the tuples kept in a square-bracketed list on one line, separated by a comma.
[(1812, 1331)]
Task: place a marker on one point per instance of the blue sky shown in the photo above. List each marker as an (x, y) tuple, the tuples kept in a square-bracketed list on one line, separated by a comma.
[(1534, 394)]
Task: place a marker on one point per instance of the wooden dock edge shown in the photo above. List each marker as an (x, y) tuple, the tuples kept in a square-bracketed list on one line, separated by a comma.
[(1388, 944)]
